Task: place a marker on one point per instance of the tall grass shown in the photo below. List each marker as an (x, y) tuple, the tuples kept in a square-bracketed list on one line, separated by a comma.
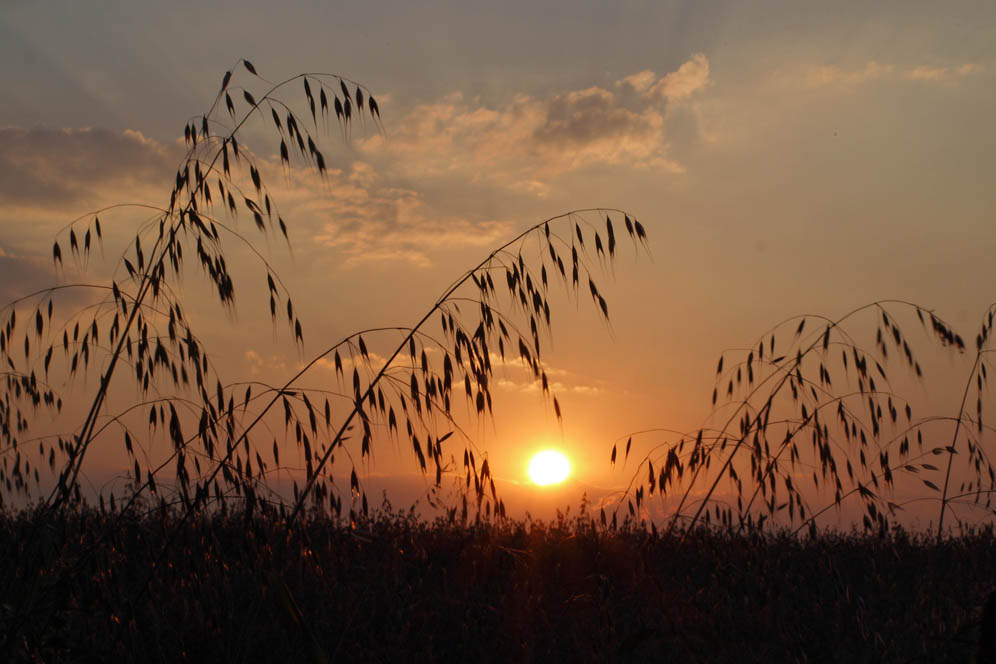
[(205, 440), (395, 586), (805, 419), (810, 417)]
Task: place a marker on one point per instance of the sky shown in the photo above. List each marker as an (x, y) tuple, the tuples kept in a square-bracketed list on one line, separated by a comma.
[(785, 158)]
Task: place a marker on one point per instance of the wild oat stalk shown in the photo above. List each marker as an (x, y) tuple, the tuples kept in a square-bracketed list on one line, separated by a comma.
[(815, 415), (467, 349), (977, 459), (142, 320), (389, 382)]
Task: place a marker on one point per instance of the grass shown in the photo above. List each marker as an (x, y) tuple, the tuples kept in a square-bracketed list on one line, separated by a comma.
[(242, 588), (205, 440), (809, 417), (200, 558)]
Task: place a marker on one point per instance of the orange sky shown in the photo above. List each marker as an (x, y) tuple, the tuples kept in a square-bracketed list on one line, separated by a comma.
[(784, 161)]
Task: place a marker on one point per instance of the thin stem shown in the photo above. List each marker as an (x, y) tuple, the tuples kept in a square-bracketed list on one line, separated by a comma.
[(954, 440), (404, 342), (68, 477)]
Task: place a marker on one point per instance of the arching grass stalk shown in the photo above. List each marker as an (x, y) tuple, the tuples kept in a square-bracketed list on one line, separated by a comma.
[(133, 312), (481, 276), (132, 323), (977, 375), (767, 430)]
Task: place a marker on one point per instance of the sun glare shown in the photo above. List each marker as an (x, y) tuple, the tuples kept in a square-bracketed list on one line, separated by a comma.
[(549, 467)]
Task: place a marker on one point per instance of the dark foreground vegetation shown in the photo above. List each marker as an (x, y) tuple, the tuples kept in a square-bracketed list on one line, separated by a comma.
[(80, 585), (101, 587)]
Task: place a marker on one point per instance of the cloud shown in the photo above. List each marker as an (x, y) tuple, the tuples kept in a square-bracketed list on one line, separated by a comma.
[(825, 76), (366, 220), (517, 377), (640, 81), (523, 143), (689, 78), (257, 365), (969, 68), (943, 74), (512, 374), (582, 120), (351, 359), (48, 176), (358, 210), (20, 276), (830, 75), (47, 168)]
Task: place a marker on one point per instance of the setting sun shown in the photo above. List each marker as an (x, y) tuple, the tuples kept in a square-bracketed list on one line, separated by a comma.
[(549, 467)]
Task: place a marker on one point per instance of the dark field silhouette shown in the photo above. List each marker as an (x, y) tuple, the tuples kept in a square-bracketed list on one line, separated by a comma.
[(393, 588), (986, 653)]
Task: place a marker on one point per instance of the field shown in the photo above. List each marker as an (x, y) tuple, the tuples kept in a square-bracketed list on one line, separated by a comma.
[(91, 586), (208, 561)]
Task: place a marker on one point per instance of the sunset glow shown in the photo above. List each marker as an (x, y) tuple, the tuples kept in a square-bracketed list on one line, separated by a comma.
[(549, 467), (783, 160)]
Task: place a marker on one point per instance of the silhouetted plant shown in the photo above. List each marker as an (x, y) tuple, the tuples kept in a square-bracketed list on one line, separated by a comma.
[(818, 413), (395, 586), (496, 311)]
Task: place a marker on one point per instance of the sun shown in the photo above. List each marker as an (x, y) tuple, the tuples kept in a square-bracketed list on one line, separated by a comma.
[(549, 467)]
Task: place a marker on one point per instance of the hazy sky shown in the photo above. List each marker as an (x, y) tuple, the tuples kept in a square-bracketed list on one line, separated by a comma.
[(785, 158)]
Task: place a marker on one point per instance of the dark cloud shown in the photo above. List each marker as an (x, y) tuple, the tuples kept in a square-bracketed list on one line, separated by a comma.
[(27, 275), (21, 276), (586, 116), (42, 167)]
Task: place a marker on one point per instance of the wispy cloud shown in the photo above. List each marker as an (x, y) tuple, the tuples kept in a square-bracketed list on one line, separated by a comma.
[(46, 168), (48, 176), (514, 376), (24, 274), (689, 78), (943, 74), (21, 275), (528, 140), (826, 76), (366, 219), (831, 75), (257, 365), (352, 360), (358, 210)]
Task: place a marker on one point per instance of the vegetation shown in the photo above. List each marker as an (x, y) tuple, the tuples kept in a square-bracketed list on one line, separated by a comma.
[(802, 425), (201, 556), (204, 446), (239, 588)]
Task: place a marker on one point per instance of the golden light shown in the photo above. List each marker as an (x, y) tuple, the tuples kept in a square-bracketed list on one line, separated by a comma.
[(549, 467)]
